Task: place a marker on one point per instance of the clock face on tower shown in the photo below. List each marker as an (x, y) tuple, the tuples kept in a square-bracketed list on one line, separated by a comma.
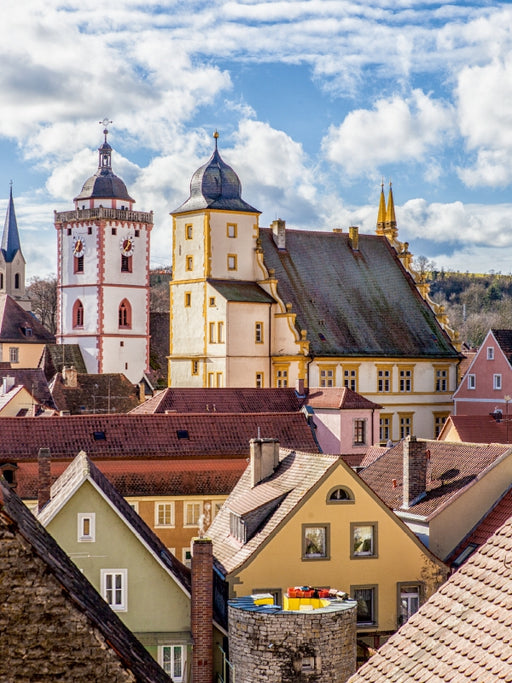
[(78, 246), (126, 245)]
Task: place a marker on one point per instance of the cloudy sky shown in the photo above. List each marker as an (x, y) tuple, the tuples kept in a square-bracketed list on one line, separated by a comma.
[(316, 102)]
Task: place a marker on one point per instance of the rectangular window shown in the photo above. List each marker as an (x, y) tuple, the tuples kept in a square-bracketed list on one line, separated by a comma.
[(172, 660), (258, 333), (384, 380), (192, 512), (259, 380), (405, 375), (189, 263), (490, 353), (78, 263), (281, 377), (385, 428), (439, 420), (188, 299), (126, 263), (350, 378), (189, 231), (195, 367), (186, 555), (237, 527), (232, 262), (327, 377), (218, 379), (14, 354), (315, 542), (471, 381), (231, 230), (164, 514), (114, 588), (408, 601), (364, 539), (220, 333), (441, 379), (86, 527), (212, 301), (211, 380), (211, 334), (359, 432), (496, 382), (366, 598), (405, 424)]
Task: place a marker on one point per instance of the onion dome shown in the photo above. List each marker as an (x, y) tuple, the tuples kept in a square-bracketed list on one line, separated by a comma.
[(104, 184), (215, 186)]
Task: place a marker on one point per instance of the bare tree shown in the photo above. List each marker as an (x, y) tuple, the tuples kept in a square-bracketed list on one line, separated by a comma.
[(43, 295)]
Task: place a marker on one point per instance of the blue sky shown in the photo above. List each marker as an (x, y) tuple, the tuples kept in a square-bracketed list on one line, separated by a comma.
[(316, 101)]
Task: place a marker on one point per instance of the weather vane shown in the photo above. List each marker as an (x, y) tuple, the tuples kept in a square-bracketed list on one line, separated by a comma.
[(105, 123)]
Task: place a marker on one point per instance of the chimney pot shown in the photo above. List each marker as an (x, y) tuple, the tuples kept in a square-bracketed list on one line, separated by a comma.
[(264, 458), (279, 231)]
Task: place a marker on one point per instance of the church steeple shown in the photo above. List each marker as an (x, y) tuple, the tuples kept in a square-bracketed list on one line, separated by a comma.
[(10, 238), (381, 218), (390, 211)]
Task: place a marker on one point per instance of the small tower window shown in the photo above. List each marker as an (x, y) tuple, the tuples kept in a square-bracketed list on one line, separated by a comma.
[(17, 281), (1, 280), (125, 314), (126, 264), (79, 264), (78, 314)]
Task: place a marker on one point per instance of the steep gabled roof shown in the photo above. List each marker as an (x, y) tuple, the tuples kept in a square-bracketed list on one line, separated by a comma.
[(353, 302), (96, 393), (479, 428), (462, 633), (20, 326), (224, 400), (452, 468), (339, 398), (56, 356), (77, 590), (174, 436), (504, 339), (10, 237), (34, 381)]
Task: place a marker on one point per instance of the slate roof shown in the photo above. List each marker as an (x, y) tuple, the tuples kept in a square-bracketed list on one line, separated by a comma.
[(479, 428), (56, 356), (339, 398), (224, 400), (353, 303), (236, 290), (504, 339), (164, 477), (297, 474), (462, 633), (10, 237), (34, 381), (150, 436), (80, 470), (104, 184), (105, 393), (15, 324), (453, 467), (78, 590)]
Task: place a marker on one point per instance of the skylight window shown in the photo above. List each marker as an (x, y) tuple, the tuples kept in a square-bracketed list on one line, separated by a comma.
[(182, 434)]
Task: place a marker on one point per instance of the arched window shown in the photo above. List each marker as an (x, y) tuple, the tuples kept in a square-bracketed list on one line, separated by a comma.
[(125, 314), (340, 494), (78, 314), (17, 281)]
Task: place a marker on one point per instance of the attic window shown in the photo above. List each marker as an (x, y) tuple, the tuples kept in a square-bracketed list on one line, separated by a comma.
[(99, 436), (27, 331), (321, 336), (463, 556), (237, 527), (340, 494), (182, 434)]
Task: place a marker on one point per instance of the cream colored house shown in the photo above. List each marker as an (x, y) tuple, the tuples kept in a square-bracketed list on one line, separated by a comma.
[(272, 307), (22, 337)]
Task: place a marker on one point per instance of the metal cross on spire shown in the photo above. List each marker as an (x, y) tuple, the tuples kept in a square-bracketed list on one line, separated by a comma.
[(105, 123)]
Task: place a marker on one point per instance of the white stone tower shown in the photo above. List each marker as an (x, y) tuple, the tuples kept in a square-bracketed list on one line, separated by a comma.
[(103, 274)]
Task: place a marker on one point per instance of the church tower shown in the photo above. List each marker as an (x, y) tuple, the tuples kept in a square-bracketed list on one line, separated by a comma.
[(103, 274), (12, 263)]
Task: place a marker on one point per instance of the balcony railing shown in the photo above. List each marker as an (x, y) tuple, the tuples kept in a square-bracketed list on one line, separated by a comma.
[(101, 212)]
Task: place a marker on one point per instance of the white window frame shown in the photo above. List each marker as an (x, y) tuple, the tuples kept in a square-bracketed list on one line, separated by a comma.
[(186, 507), (168, 663), (186, 555), (118, 605), (82, 536), (471, 381), (490, 353), (14, 354), (162, 505), (496, 382)]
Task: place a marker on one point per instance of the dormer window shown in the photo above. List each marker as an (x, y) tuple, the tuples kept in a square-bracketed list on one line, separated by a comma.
[(27, 331), (237, 527)]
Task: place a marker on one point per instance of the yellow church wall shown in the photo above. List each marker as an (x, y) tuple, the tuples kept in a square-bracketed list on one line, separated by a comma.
[(399, 558)]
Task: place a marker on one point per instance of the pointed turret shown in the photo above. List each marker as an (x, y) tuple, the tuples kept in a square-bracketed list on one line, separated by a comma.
[(390, 211), (11, 238), (381, 218)]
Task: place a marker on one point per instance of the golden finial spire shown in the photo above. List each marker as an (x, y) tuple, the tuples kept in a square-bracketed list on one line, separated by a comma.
[(381, 217), (390, 211), (216, 136)]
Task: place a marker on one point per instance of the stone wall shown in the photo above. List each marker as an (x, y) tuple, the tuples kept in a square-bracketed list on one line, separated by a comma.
[(275, 646), (45, 637)]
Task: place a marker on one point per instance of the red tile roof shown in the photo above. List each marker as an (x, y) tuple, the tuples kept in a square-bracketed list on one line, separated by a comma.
[(481, 428), (217, 435), (15, 324), (453, 467), (462, 633), (225, 400), (340, 398)]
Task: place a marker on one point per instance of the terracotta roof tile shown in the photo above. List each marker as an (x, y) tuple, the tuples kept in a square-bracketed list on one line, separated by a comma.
[(463, 632), (340, 398), (94, 393), (15, 323), (481, 428), (34, 381)]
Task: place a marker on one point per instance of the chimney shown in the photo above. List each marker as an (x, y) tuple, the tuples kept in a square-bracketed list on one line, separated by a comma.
[(202, 610), (415, 470), (7, 384), (353, 237), (279, 231), (70, 376), (264, 459), (299, 386), (45, 478)]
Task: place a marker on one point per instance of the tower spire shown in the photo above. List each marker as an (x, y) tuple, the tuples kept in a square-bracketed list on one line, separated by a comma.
[(381, 217), (10, 238), (390, 211)]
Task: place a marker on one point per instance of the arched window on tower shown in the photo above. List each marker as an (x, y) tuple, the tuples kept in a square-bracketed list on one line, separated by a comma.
[(78, 314), (125, 314), (16, 281)]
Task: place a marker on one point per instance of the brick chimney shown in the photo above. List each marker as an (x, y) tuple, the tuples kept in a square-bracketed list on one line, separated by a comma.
[(264, 458), (279, 232), (202, 610), (70, 376), (415, 470), (45, 478)]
